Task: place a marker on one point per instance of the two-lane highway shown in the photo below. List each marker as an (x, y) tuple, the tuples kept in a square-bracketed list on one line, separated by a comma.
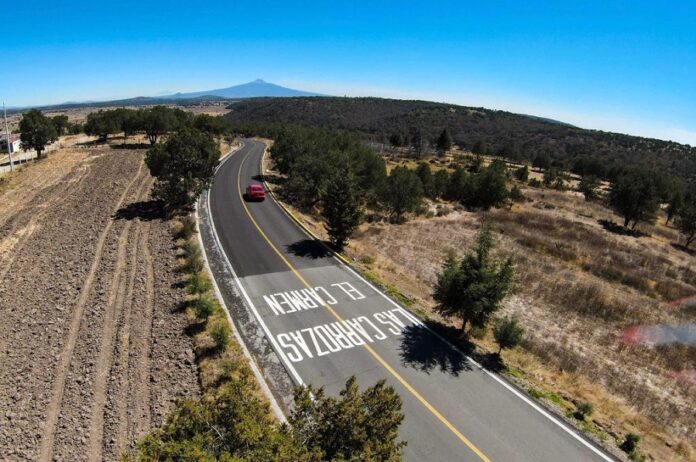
[(326, 324)]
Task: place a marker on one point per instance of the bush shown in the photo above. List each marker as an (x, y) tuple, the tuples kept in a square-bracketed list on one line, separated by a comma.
[(630, 443), (220, 333), (508, 333), (204, 308), (198, 284), (188, 227), (194, 263), (535, 183), (584, 409)]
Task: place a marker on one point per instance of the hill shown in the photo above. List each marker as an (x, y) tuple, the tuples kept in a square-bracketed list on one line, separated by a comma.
[(514, 136), (254, 89)]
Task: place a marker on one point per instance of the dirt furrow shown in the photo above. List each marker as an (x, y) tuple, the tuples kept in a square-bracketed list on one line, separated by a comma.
[(58, 387), (19, 233), (117, 300), (127, 394), (93, 350)]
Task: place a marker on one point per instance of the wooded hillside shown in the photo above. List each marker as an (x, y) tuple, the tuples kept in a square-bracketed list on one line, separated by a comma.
[(515, 136)]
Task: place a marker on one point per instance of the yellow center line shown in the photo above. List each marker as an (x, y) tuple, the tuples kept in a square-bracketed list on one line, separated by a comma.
[(379, 359)]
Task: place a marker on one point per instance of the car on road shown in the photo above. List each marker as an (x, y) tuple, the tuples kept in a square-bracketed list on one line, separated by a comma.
[(255, 192)]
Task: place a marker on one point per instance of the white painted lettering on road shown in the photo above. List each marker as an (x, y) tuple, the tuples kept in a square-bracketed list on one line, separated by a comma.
[(341, 335), (351, 291), (298, 300)]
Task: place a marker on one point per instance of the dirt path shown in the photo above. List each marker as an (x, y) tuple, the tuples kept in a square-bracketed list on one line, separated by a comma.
[(93, 349)]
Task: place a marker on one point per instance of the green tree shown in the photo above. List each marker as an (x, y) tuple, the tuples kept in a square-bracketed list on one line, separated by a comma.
[(440, 182), (397, 139), (444, 141), (489, 187), (588, 186), (342, 208), (676, 202), (184, 167), (37, 131), (417, 142), (459, 185), (307, 180), (634, 196), (209, 124), (60, 122), (479, 148), (131, 122), (102, 124), (522, 173), (686, 222), (515, 194), (354, 427), (473, 289), (158, 121), (402, 192), (556, 178), (542, 161), (426, 176), (229, 423), (507, 333)]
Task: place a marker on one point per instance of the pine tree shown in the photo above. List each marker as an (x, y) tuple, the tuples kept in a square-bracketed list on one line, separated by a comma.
[(444, 141), (342, 209), (473, 289), (508, 333)]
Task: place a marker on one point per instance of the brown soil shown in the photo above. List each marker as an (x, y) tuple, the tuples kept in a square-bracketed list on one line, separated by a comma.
[(92, 343)]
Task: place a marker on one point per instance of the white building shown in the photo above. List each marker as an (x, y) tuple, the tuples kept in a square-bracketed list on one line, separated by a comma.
[(14, 143)]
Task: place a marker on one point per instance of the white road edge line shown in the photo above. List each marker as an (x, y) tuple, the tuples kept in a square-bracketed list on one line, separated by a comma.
[(254, 367), (288, 366), (572, 432)]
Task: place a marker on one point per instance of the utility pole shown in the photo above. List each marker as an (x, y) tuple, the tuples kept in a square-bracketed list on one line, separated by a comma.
[(7, 137)]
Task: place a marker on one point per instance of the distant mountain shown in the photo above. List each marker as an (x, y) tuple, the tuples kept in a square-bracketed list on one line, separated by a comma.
[(253, 89)]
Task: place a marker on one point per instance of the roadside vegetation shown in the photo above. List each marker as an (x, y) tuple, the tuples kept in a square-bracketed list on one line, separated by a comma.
[(233, 420)]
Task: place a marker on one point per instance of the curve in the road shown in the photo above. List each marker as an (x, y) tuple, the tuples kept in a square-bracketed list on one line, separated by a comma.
[(442, 394)]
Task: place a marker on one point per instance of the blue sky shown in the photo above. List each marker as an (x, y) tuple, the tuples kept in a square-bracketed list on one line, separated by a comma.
[(626, 66)]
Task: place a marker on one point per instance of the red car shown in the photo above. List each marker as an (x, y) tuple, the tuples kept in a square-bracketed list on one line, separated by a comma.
[(255, 192)]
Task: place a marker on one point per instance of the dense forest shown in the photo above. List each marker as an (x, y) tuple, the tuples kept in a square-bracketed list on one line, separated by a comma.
[(513, 136)]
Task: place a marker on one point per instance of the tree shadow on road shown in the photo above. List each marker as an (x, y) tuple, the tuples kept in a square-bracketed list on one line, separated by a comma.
[(143, 210), (423, 350), (310, 248)]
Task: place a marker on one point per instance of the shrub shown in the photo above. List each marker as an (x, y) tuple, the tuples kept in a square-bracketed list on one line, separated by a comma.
[(188, 227), (198, 284), (508, 333), (204, 308), (535, 183), (190, 248), (630, 443), (220, 333), (584, 409)]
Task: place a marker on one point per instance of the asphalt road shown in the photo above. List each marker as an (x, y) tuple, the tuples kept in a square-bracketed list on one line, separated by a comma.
[(326, 323)]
